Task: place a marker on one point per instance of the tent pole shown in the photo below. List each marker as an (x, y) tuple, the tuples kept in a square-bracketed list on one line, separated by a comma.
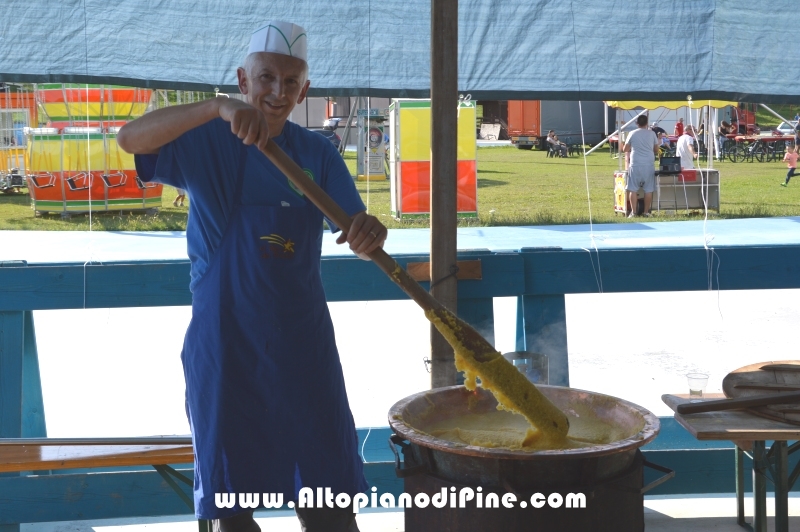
[(615, 132), (444, 142), (716, 133), (774, 113), (347, 128)]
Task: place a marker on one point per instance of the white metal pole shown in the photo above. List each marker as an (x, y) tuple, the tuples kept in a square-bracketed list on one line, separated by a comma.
[(717, 143), (774, 113), (615, 132)]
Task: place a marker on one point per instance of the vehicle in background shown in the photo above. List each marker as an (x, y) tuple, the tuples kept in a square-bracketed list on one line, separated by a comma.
[(744, 117), (524, 121), (328, 131), (787, 129)]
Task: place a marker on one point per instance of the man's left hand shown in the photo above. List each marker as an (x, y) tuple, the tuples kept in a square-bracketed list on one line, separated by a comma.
[(366, 234)]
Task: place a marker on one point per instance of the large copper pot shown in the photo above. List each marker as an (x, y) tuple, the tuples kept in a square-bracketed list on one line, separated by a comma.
[(610, 475)]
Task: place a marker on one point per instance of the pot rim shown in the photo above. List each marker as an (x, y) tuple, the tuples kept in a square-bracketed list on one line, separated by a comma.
[(649, 431)]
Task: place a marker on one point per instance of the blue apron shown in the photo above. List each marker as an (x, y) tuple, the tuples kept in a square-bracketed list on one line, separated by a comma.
[(265, 393)]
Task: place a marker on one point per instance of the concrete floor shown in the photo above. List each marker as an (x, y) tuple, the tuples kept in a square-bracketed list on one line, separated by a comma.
[(705, 513)]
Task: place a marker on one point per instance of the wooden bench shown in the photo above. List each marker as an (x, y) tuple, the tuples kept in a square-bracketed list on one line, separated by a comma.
[(49, 454)]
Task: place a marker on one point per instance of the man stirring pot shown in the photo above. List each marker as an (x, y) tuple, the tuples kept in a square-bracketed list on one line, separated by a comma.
[(265, 394)]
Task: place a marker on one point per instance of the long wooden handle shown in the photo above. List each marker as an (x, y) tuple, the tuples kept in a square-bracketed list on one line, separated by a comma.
[(510, 387), (737, 404), (781, 367), (337, 215)]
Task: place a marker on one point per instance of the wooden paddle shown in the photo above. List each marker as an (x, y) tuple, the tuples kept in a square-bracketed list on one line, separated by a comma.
[(738, 404), (510, 387), (781, 367)]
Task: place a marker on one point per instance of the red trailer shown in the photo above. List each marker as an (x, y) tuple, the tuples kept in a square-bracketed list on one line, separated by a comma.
[(524, 123)]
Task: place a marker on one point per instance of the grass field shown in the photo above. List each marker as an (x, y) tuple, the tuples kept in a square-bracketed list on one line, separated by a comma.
[(515, 187), (518, 187)]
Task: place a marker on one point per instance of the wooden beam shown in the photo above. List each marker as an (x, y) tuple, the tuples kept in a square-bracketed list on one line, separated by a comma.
[(33, 421), (11, 364), (467, 269), (444, 102)]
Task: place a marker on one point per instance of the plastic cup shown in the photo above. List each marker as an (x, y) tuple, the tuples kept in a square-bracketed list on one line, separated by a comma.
[(697, 383)]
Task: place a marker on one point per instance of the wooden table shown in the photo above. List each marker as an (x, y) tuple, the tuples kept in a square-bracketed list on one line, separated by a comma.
[(49, 454), (750, 433)]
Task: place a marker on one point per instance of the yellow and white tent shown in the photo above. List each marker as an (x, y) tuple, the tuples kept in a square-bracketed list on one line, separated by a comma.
[(677, 104)]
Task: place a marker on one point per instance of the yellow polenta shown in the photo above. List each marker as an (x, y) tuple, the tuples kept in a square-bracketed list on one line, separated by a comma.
[(505, 430), (512, 390)]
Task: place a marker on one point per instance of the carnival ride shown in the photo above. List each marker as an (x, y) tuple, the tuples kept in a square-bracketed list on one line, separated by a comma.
[(16, 111), (74, 165)]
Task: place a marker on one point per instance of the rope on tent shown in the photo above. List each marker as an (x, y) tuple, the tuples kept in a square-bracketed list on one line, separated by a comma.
[(598, 274), (89, 169), (711, 254), (366, 168)]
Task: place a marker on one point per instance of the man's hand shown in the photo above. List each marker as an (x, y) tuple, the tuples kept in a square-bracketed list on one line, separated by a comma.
[(366, 234), (247, 122)]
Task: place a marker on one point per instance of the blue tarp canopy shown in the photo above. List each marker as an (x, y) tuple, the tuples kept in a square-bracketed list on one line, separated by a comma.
[(509, 49)]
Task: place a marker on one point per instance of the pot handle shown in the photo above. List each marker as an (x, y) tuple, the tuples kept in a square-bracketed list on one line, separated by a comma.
[(669, 474), (395, 440), (641, 491)]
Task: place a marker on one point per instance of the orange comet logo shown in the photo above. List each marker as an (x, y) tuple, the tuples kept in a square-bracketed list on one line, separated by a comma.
[(278, 240)]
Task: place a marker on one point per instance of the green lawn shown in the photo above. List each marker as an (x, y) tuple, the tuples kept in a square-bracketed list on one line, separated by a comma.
[(518, 187), (16, 214), (515, 187)]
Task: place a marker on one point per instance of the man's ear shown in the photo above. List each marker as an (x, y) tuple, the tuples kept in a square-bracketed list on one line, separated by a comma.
[(303, 92), (241, 74)]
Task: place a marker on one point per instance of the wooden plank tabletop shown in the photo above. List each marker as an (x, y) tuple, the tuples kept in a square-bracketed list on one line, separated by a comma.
[(730, 425), (48, 457)]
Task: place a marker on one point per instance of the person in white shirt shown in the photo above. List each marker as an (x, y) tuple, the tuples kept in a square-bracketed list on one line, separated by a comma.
[(685, 149), (642, 145)]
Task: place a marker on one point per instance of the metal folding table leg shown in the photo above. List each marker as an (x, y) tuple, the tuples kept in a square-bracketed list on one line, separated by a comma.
[(167, 473), (760, 467), (781, 481), (740, 488)]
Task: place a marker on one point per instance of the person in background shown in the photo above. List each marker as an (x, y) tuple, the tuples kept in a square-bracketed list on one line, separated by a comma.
[(658, 130), (555, 144), (699, 135), (797, 135), (685, 149), (664, 144), (179, 198), (701, 130), (679, 127), (265, 391), (642, 145), (791, 161), (723, 131)]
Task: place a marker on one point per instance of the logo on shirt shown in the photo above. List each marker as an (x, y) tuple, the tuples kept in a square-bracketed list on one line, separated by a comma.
[(297, 191), (275, 246)]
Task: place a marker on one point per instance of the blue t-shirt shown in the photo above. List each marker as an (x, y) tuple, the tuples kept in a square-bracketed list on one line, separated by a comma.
[(207, 162)]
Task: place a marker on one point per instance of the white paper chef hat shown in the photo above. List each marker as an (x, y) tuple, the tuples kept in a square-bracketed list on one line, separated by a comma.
[(280, 38)]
